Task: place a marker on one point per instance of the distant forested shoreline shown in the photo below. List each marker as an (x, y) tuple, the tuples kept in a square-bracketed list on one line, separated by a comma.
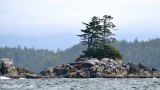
[(145, 52)]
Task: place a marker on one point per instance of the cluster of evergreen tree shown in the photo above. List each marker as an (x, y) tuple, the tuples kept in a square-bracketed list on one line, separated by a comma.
[(98, 37), (145, 52)]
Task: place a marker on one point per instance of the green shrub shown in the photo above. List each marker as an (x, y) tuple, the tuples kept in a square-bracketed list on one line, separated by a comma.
[(107, 52)]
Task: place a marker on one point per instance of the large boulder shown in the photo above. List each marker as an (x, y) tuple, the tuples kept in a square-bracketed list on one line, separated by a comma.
[(112, 62), (155, 74), (90, 62), (24, 72), (48, 72), (7, 67)]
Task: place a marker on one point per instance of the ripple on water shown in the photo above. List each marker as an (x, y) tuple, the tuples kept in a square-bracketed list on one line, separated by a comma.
[(80, 84)]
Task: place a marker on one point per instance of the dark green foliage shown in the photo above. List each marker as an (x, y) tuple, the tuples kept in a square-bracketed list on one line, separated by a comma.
[(108, 51), (98, 37), (92, 34), (98, 32)]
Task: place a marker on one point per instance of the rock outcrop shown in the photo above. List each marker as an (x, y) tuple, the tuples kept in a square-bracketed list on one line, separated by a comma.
[(84, 68), (25, 73), (94, 68), (8, 69)]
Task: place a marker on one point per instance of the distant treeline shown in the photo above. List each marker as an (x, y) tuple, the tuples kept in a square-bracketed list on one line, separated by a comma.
[(38, 59), (145, 52)]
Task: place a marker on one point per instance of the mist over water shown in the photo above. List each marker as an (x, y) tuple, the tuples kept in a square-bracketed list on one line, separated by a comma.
[(81, 84)]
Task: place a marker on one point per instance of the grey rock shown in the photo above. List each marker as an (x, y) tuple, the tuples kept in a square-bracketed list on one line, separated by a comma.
[(7, 67), (91, 62), (48, 72), (23, 71), (94, 68), (156, 74)]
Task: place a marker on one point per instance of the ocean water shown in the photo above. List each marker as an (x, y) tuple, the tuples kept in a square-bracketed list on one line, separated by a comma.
[(81, 84)]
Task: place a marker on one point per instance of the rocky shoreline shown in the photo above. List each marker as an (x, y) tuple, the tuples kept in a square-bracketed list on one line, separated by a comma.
[(7, 69), (104, 68), (83, 68)]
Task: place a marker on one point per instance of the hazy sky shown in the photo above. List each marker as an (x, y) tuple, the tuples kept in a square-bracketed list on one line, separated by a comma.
[(35, 22)]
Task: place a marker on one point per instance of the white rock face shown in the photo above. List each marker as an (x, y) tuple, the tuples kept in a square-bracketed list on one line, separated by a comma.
[(7, 67), (7, 62), (107, 61), (92, 61)]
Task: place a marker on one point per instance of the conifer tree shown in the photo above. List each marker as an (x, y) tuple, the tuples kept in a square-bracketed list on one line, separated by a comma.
[(98, 37), (92, 34), (107, 26)]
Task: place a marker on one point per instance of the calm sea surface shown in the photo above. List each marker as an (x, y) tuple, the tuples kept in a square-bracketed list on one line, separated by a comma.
[(81, 84)]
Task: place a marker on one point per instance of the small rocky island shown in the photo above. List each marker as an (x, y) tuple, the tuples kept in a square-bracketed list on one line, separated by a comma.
[(104, 68), (99, 60), (84, 68)]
